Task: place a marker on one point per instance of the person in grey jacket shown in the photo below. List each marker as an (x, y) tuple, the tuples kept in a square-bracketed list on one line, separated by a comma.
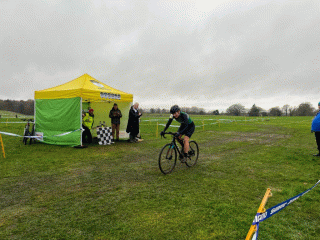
[(115, 115)]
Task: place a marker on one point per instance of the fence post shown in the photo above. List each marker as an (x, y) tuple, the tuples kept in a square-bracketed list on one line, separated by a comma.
[(261, 209), (157, 129), (4, 154)]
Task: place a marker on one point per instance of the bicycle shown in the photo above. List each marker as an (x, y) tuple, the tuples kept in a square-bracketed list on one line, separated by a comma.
[(168, 155), (28, 133)]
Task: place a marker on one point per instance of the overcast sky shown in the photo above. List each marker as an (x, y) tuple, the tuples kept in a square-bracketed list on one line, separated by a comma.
[(209, 54)]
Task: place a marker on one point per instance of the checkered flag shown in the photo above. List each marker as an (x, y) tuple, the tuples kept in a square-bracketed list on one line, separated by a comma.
[(104, 135)]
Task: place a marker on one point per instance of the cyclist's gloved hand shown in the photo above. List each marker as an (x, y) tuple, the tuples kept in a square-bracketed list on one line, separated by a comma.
[(162, 133), (177, 134)]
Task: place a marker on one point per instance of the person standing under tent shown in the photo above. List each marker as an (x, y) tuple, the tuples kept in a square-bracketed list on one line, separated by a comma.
[(133, 122), (87, 123), (315, 127), (115, 115)]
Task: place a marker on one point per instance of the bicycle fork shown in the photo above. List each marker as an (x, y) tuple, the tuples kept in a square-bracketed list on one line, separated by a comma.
[(169, 152)]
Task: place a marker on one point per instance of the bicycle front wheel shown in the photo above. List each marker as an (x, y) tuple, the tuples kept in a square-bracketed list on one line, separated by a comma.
[(167, 158), (193, 154)]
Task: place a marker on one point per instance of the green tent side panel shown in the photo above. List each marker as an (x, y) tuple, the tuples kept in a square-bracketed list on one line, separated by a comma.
[(59, 116)]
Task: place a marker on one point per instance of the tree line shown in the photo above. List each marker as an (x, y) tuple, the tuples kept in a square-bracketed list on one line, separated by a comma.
[(18, 106), (304, 109)]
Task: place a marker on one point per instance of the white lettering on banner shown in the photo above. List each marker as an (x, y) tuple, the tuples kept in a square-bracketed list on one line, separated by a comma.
[(110, 96), (292, 200), (278, 208), (260, 217), (307, 191)]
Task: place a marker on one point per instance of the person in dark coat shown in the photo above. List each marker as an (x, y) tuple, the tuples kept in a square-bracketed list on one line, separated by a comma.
[(133, 122), (115, 115), (315, 127)]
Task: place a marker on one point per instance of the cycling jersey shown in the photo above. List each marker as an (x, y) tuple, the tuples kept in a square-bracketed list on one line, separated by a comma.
[(183, 118), (187, 125)]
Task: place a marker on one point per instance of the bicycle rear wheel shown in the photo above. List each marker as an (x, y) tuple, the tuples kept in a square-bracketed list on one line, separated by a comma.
[(167, 158), (193, 154), (32, 134), (25, 139)]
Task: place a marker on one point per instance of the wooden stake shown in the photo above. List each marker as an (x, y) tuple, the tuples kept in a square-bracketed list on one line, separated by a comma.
[(157, 129), (4, 154), (261, 209)]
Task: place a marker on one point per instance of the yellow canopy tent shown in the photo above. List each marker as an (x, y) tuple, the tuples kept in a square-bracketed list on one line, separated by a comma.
[(58, 110)]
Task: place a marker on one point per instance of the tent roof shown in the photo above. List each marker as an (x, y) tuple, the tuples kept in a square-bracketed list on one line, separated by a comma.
[(86, 87)]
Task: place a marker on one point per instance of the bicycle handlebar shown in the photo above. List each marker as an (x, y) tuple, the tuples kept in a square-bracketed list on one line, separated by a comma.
[(28, 120), (171, 133)]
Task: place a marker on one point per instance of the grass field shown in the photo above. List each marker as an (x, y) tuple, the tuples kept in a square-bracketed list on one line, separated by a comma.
[(118, 191)]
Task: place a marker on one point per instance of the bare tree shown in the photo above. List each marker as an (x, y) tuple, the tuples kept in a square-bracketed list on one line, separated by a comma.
[(275, 111), (305, 109), (235, 109), (292, 111), (285, 109), (215, 112), (254, 111)]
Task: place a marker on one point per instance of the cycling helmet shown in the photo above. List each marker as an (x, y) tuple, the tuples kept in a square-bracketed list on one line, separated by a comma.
[(174, 109)]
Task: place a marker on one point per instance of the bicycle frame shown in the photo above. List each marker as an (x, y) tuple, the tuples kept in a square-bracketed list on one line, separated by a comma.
[(27, 131), (168, 154), (173, 143)]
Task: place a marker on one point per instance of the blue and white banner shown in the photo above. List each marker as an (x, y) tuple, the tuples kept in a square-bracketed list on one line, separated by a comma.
[(275, 209)]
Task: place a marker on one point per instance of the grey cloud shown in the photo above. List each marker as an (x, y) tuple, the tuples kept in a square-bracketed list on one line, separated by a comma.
[(265, 49)]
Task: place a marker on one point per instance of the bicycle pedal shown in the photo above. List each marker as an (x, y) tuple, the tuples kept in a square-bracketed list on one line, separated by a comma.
[(183, 160)]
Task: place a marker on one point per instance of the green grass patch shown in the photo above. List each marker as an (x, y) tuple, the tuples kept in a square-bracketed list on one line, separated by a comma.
[(118, 191)]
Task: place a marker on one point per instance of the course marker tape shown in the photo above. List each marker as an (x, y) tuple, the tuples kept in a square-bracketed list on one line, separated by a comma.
[(38, 137), (261, 216), (12, 122)]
